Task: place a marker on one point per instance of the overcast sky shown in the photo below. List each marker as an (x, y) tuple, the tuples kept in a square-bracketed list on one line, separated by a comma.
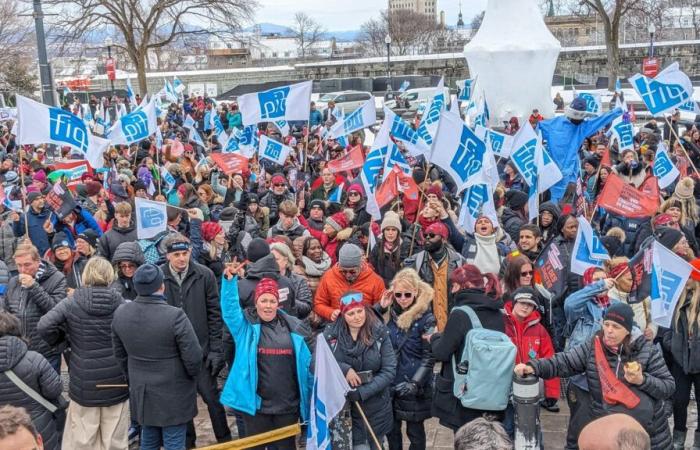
[(342, 15)]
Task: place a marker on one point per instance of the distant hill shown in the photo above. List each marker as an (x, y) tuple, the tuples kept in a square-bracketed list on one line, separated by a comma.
[(281, 30)]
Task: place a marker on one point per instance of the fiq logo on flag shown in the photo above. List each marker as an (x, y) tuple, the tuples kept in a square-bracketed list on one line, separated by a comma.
[(669, 89), (135, 126), (273, 103), (68, 128), (151, 218)]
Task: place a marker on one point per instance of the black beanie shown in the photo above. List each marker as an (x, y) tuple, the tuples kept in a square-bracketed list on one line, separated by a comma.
[(60, 239), (147, 279), (612, 245), (515, 199), (621, 313), (667, 236), (257, 249), (89, 236)]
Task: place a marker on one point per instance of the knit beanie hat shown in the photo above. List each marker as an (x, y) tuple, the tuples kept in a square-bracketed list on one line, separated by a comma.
[(89, 236), (391, 219), (439, 229), (210, 230), (684, 188), (267, 286), (60, 239), (577, 109), (526, 294), (147, 279), (257, 249), (350, 256), (668, 237), (318, 203), (435, 190), (621, 313), (92, 188), (515, 199), (341, 219), (355, 187)]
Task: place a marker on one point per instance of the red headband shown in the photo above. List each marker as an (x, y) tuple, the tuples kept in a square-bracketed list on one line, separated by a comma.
[(350, 301), (267, 286)]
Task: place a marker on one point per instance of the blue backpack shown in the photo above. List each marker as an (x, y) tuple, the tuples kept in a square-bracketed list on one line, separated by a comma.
[(490, 359)]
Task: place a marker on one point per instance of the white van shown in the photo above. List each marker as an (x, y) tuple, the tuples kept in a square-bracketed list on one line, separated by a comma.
[(348, 101), (415, 97)]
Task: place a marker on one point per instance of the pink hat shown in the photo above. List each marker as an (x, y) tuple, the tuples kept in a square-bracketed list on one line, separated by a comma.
[(40, 176)]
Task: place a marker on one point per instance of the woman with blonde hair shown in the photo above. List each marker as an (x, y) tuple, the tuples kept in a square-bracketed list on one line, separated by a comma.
[(684, 194), (618, 269), (682, 214), (97, 417), (408, 308)]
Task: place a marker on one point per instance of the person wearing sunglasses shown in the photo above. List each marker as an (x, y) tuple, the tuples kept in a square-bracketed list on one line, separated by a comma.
[(519, 272), (409, 317), (126, 259), (357, 201), (361, 344), (275, 196)]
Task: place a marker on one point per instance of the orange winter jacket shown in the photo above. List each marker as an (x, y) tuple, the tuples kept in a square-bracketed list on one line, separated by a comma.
[(333, 285)]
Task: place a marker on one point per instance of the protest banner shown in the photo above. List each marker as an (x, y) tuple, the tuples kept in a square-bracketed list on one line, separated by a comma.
[(352, 160), (60, 200), (623, 199), (72, 172), (230, 163)]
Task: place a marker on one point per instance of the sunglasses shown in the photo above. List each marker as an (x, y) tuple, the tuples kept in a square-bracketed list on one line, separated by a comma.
[(353, 194), (127, 266), (350, 298), (431, 235), (403, 294), (527, 273), (279, 185), (349, 271)]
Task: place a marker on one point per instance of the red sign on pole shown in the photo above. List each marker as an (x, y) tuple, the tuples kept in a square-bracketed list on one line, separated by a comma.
[(650, 67), (110, 68)]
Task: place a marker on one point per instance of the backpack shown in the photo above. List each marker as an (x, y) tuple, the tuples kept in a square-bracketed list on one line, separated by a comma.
[(490, 358), (149, 247)]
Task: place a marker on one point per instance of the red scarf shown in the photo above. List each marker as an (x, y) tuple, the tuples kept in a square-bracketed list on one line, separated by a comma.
[(613, 389)]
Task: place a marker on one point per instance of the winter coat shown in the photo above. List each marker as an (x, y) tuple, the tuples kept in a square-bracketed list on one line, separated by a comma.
[(332, 246), (573, 281), (333, 285), (682, 340), (199, 298), (8, 244), (635, 176), (406, 328), (379, 358), (240, 390), (469, 247), (86, 320), (658, 382), (512, 222), (303, 298), (549, 232), (36, 221), (158, 351), (450, 344), (108, 243), (296, 230), (266, 267), (29, 305), (421, 263), (386, 264), (272, 202), (131, 252), (37, 373), (84, 221), (531, 341)]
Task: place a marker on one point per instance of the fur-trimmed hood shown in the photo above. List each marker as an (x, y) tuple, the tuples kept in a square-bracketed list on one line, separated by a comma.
[(415, 311)]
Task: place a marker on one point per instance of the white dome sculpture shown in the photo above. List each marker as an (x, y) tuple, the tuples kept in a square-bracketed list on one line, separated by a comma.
[(514, 56)]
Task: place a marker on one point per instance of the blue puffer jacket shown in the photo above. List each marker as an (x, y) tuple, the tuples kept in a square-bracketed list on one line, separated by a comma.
[(83, 222), (240, 390), (35, 223)]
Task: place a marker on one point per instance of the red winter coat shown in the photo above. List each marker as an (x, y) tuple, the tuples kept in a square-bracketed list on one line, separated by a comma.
[(533, 342)]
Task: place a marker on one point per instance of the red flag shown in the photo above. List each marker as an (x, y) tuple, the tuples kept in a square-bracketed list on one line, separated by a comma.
[(352, 160), (230, 163), (623, 199), (388, 190), (605, 160), (407, 184)]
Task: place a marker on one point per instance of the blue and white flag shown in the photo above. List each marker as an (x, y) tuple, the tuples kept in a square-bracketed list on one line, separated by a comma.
[(327, 396), (623, 131), (159, 139), (41, 124), (208, 120), (135, 126), (13, 205), (523, 156), (283, 126), (178, 86), (130, 93), (690, 106), (429, 123), (500, 144), (369, 175), (618, 86), (282, 103), (404, 86), (482, 115), (664, 170), (594, 103), (363, 117), (588, 248), (169, 91), (168, 179), (151, 217), (273, 150), (247, 140), (394, 157), (669, 273), (403, 132), (458, 150), (189, 122), (670, 89), (337, 195), (466, 88), (477, 201), (195, 137)]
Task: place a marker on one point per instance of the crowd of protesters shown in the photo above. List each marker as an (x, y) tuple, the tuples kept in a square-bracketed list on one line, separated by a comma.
[(253, 265)]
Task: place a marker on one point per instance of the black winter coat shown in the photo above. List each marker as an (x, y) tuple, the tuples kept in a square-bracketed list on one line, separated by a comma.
[(658, 382), (450, 343), (158, 351), (37, 373), (199, 298), (32, 303), (87, 319), (109, 241), (387, 264), (682, 340), (511, 223), (378, 358)]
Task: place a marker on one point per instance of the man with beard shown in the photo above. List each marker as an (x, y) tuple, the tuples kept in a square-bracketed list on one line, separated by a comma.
[(435, 264), (529, 241), (316, 220)]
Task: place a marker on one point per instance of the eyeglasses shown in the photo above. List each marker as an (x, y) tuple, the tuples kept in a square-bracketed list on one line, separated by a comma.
[(125, 266), (431, 235), (279, 185), (353, 194), (403, 294), (349, 271), (527, 273)]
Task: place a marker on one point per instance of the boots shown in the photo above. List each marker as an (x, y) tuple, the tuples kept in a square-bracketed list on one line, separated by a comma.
[(679, 439)]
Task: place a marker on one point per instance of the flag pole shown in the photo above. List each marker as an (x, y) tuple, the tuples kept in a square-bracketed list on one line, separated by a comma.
[(682, 147), (420, 203), (369, 427), (160, 181), (306, 143), (24, 192)]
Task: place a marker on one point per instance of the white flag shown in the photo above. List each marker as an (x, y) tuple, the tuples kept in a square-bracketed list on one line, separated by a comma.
[(669, 273), (477, 201), (168, 178), (623, 132), (664, 169), (427, 130), (363, 117), (327, 396), (135, 126), (273, 150), (501, 144), (151, 218), (588, 248), (670, 89), (289, 103)]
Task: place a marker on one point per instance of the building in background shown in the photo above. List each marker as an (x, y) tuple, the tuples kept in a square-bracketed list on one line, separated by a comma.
[(427, 7)]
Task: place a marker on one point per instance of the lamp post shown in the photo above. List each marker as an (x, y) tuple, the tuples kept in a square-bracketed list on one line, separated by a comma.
[(387, 41), (109, 66), (47, 89), (652, 31)]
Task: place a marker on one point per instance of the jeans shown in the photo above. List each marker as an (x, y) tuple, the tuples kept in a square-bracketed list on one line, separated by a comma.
[(171, 438), (55, 362), (681, 398), (415, 432), (208, 389), (580, 408)]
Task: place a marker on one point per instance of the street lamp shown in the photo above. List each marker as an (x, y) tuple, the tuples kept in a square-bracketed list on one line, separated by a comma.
[(110, 69), (652, 30), (387, 41)]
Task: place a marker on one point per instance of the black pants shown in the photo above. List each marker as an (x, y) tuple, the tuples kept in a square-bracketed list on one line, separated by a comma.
[(681, 398), (415, 432), (208, 389), (261, 423), (580, 408)]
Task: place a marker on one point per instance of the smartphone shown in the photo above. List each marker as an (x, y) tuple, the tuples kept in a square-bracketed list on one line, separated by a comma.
[(366, 376)]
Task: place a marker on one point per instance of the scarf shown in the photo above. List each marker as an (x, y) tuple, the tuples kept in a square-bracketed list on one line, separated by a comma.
[(613, 389), (601, 300), (313, 269), (487, 258)]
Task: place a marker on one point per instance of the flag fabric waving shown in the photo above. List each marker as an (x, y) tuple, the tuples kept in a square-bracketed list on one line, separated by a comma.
[(230, 163), (352, 160), (429, 124), (664, 169), (477, 201), (465, 89), (395, 158), (623, 199), (151, 218), (363, 117), (501, 144), (135, 126), (670, 89), (623, 131), (588, 248), (273, 150), (288, 103), (669, 273)]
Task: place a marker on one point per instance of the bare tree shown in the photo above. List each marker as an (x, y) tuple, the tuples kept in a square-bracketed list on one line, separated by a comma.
[(411, 33), (307, 33), (141, 26), (17, 69)]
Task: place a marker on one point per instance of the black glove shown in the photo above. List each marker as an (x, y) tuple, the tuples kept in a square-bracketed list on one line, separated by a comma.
[(214, 363), (406, 389), (550, 404), (353, 395)]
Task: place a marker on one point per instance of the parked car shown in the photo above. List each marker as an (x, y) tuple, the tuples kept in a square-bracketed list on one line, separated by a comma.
[(413, 98), (348, 101)]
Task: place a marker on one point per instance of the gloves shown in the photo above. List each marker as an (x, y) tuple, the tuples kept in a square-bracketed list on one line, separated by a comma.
[(406, 389), (550, 404), (214, 363), (353, 396)]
